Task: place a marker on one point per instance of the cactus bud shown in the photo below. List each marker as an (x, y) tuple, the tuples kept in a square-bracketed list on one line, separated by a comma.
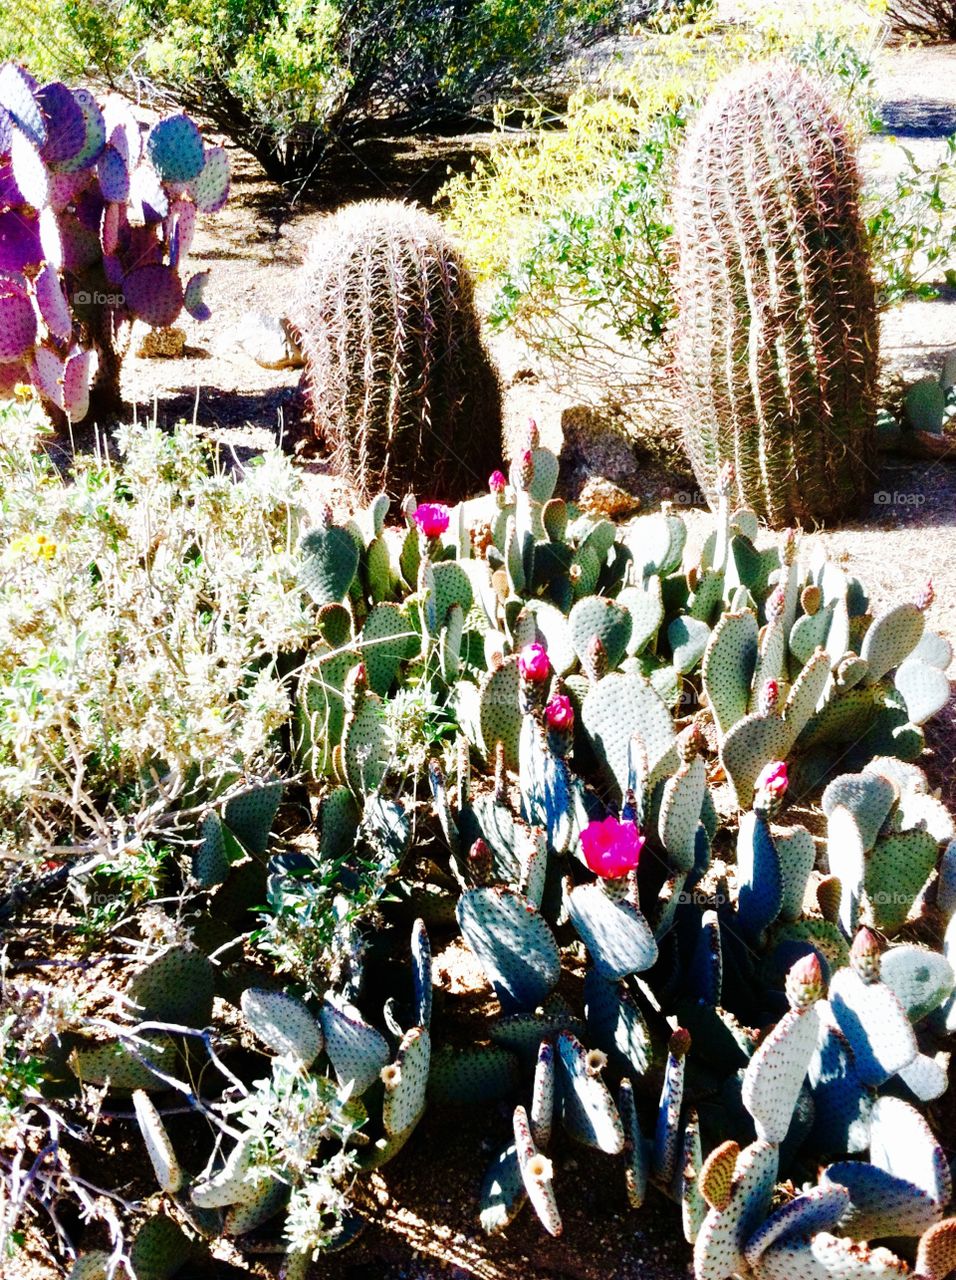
[(769, 697), (865, 955), (788, 552), (526, 470), (716, 1177), (534, 435), (776, 603), (574, 574), (595, 659), (480, 862), (679, 1044), (501, 779), (726, 477), (926, 596), (497, 483), (804, 983), (772, 783), (559, 718), (829, 894), (811, 598)]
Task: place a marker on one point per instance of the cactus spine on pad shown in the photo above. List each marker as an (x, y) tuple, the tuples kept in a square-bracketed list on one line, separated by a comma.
[(399, 384), (777, 338)]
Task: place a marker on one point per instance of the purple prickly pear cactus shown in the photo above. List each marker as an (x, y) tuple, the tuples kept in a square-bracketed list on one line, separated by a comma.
[(97, 217)]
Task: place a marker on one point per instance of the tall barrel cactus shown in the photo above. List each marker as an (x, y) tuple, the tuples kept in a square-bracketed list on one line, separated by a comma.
[(777, 333), (397, 378)]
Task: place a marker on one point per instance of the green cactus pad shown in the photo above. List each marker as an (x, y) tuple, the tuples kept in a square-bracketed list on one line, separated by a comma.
[(921, 979), (231, 1184), (523, 1032), (269, 1197), (618, 938), (881, 1205), (545, 787), (500, 714), (537, 1174), (178, 987), (617, 708), (890, 638), (113, 1062), (937, 1251), (775, 1074), (759, 875), (471, 1076), (159, 1148), (828, 1257), (637, 1168), (502, 1195), (926, 690), (819, 1209), (406, 1083), (513, 944), (365, 747), (657, 543), (388, 639), (679, 816), (283, 1023), (215, 852), (588, 1111), (750, 745), (808, 689), (686, 1186), (728, 667), (356, 1050), (543, 1091), (797, 852), (161, 1249), (548, 626), (330, 560), (875, 1024), (250, 816), (688, 638), (338, 823), (608, 620), (868, 796), (902, 1143), (94, 1265), (926, 1078), (320, 706), (719, 1247), (616, 1025), (843, 719), (896, 871)]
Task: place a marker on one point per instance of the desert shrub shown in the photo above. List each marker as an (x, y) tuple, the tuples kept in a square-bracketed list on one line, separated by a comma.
[(289, 82), (928, 19)]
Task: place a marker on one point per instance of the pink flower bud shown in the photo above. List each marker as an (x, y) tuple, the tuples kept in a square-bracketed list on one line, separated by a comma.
[(534, 663), (497, 482), (432, 518), (559, 713), (611, 848), (773, 779)]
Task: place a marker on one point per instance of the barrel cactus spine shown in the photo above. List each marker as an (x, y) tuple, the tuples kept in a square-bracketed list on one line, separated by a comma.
[(397, 379), (777, 333)]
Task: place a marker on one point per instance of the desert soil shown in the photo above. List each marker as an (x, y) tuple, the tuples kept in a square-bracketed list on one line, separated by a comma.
[(426, 1223)]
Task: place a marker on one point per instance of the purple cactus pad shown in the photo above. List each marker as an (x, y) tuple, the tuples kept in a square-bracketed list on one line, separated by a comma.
[(51, 300), (175, 149), (6, 131), (65, 125), (11, 197), (113, 175), (19, 241), (76, 385), (17, 97), (29, 170), (192, 296), (18, 325), (81, 247), (180, 228), (210, 189), (122, 130), (148, 199), (65, 188), (46, 374), (154, 294), (94, 134)]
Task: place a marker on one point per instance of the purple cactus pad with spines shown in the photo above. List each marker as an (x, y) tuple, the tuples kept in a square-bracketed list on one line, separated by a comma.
[(53, 306), (18, 324), (76, 384), (17, 97), (113, 175), (175, 150), (46, 374), (142, 248), (110, 229), (94, 139), (122, 130), (19, 241), (193, 299), (65, 123), (89, 209), (154, 294), (210, 189), (11, 197), (180, 228), (6, 131), (81, 247), (113, 270), (29, 171), (64, 189)]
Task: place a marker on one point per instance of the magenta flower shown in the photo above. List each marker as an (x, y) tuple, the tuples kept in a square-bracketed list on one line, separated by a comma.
[(534, 663), (773, 779), (497, 481), (432, 518), (559, 713), (611, 848)]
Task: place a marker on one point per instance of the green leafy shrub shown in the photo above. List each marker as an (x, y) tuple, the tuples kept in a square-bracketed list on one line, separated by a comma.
[(292, 82)]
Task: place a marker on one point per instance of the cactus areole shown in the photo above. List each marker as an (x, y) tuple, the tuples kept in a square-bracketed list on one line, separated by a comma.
[(777, 334)]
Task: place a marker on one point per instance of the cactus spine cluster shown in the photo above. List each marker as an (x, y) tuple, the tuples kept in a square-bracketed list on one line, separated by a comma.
[(777, 334), (398, 382)]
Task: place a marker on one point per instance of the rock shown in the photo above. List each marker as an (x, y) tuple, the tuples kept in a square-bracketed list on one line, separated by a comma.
[(162, 344), (595, 448), (604, 498), (268, 340)]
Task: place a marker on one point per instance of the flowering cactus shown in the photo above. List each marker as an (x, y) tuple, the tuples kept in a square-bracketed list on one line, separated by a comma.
[(431, 518), (611, 848), (95, 222)]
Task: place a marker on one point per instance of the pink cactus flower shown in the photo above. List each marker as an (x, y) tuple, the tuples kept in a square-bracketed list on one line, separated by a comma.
[(773, 779), (534, 663), (497, 482), (432, 518), (611, 848), (559, 713)]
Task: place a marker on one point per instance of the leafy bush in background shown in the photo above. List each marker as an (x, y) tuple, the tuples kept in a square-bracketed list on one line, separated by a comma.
[(292, 81), (928, 19)]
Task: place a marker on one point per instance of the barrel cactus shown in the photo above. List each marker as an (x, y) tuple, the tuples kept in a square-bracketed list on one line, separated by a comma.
[(777, 333), (397, 380)]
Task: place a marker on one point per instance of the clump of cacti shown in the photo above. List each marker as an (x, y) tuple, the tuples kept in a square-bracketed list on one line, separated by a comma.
[(97, 216), (777, 331), (399, 385)]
